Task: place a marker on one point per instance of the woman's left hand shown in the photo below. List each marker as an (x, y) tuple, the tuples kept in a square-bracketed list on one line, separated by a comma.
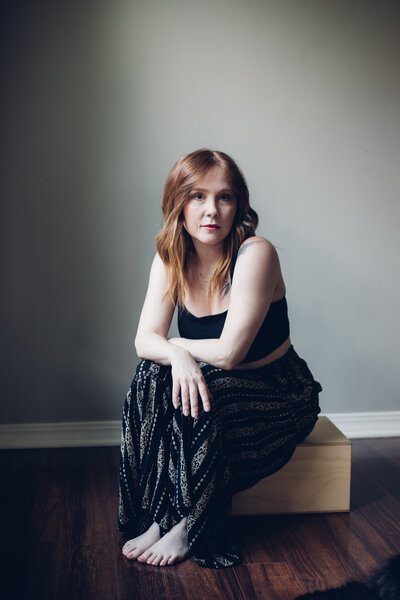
[(188, 382)]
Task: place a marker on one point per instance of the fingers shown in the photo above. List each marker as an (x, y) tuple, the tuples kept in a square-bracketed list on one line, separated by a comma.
[(205, 395), (179, 389), (189, 391), (194, 401), (175, 393), (190, 399), (185, 400)]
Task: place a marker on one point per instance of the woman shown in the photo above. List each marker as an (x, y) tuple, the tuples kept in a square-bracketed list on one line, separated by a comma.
[(214, 411)]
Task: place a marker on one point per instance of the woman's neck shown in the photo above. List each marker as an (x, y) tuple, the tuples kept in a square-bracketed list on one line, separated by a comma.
[(206, 258)]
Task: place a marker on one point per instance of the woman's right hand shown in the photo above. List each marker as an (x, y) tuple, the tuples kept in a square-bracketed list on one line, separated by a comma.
[(189, 381)]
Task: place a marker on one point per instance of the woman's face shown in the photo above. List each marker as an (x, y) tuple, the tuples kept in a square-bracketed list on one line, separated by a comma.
[(211, 202)]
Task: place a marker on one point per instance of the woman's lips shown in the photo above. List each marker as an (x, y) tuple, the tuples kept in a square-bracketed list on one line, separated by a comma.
[(211, 226)]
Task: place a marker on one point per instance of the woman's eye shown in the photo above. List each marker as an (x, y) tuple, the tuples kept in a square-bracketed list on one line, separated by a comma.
[(226, 197), (197, 196)]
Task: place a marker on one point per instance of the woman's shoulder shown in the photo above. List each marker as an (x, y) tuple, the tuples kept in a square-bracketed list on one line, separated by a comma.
[(158, 271), (260, 261), (260, 244)]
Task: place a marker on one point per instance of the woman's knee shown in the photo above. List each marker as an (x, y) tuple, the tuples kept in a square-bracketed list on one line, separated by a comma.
[(149, 368)]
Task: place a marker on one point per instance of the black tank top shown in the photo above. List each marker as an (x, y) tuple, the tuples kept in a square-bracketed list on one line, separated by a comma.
[(273, 332)]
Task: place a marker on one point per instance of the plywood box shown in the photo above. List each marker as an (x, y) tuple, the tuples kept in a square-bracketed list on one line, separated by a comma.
[(316, 479)]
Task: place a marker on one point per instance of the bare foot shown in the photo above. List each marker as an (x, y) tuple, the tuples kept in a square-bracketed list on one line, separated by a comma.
[(171, 548), (133, 548)]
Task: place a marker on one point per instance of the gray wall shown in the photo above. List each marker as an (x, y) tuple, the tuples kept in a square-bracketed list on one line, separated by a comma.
[(102, 97)]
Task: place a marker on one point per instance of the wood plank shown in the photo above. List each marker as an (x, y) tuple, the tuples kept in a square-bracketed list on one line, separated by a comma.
[(378, 506), (323, 550), (316, 479), (303, 542), (260, 538), (60, 538), (77, 479), (312, 553), (48, 571), (66, 521), (18, 489), (274, 581), (381, 459), (325, 433), (185, 580)]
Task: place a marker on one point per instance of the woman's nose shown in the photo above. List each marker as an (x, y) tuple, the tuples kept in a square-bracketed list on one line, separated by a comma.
[(211, 207)]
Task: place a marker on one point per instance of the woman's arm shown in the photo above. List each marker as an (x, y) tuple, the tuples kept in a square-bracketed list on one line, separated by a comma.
[(256, 276), (155, 319), (210, 350), (188, 381)]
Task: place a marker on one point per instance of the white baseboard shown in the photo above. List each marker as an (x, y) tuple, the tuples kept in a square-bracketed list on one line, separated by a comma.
[(368, 424), (60, 435), (108, 433)]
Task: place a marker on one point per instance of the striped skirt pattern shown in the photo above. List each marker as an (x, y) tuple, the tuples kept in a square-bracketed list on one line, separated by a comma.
[(174, 466)]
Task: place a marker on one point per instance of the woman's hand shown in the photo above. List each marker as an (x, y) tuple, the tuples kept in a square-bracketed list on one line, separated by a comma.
[(188, 379)]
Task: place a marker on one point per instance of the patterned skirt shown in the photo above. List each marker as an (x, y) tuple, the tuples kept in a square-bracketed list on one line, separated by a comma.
[(174, 466)]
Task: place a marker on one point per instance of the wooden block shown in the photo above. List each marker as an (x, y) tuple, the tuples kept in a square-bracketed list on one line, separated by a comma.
[(316, 479)]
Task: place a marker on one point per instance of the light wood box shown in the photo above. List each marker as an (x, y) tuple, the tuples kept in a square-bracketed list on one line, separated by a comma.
[(315, 480)]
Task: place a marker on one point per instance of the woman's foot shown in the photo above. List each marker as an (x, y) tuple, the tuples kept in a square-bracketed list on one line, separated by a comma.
[(170, 549), (133, 548)]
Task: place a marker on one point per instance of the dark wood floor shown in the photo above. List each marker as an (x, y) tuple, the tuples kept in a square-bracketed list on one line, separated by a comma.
[(59, 537)]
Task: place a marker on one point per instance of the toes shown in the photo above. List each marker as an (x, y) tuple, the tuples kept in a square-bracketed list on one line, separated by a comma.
[(143, 557), (164, 561), (129, 546), (128, 550), (157, 559), (150, 558)]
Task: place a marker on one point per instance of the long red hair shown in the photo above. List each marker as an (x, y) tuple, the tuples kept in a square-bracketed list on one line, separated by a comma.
[(174, 244)]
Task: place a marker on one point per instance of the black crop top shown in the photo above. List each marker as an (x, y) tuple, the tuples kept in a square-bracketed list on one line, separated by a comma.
[(273, 332)]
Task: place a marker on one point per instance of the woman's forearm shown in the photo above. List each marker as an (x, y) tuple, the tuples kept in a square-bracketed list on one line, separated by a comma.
[(211, 350), (155, 347)]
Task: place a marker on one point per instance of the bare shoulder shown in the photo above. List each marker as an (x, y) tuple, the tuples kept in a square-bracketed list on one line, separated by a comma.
[(157, 267), (259, 247), (257, 259), (157, 262), (158, 280)]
